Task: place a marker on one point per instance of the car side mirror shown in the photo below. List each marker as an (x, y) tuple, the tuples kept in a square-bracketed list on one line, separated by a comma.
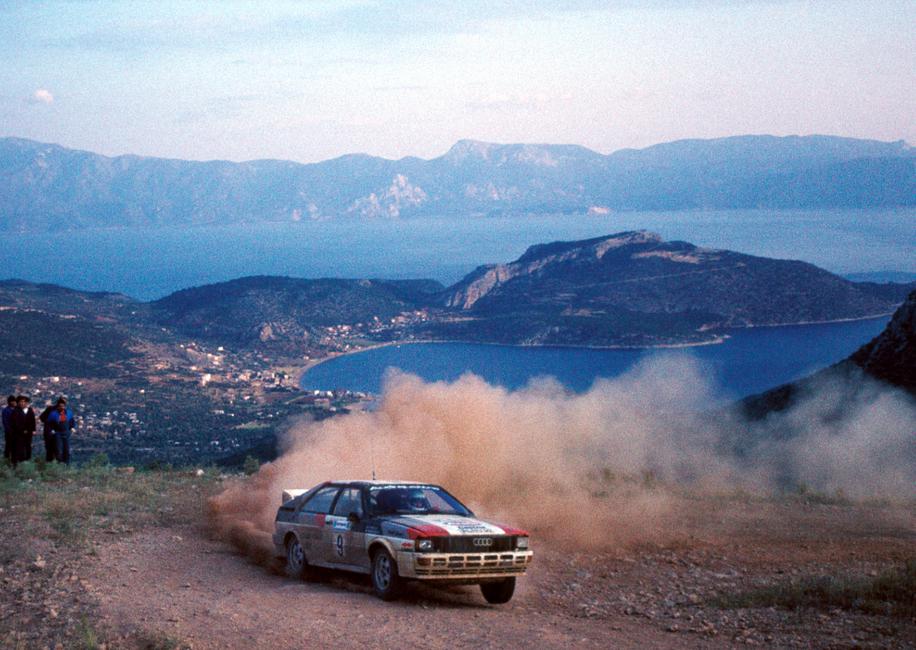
[(353, 518)]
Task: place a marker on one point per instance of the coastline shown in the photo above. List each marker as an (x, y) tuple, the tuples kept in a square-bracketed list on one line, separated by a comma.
[(719, 339), (820, 322)]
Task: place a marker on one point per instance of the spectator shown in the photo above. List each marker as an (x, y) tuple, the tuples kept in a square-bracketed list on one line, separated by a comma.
[(8, 426), (23, 420), (62, 425), (50, 443)]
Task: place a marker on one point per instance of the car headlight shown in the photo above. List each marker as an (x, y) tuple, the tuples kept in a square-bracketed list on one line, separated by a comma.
[(424, 544), (521, 543)]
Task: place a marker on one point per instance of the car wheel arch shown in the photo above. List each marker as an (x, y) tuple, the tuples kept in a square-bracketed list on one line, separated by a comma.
[(378, 545)]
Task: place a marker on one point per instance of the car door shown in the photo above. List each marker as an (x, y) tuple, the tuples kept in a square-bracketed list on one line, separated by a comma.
[(346, 539), (311, 521)]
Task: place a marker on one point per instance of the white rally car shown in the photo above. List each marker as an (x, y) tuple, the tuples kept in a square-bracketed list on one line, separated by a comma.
[(397, 530)]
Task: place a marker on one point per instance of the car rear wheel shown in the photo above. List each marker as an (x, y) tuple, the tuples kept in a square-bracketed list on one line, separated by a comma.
[(498, 592), (385, 579), (297, 565)]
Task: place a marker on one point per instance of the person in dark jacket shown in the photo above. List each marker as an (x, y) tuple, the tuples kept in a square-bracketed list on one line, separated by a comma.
[(8, 426), (23, 420), (62, 425), (48, 434)]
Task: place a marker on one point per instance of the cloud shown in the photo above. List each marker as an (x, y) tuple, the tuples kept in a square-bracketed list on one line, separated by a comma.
[(510, 102), (42, 96)]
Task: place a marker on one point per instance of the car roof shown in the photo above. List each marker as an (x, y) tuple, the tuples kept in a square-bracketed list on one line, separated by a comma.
[(363, 483)]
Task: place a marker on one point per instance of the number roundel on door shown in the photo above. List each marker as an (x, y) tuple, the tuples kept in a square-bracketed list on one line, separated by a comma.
[(339, 543)]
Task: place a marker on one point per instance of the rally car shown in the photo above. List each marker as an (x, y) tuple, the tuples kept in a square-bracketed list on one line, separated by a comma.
[(396, 531)]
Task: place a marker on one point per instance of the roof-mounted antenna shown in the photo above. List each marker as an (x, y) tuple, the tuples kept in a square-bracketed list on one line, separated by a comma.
[(372, 455)]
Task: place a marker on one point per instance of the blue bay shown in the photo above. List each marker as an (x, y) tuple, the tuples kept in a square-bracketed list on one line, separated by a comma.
[(750, 361)]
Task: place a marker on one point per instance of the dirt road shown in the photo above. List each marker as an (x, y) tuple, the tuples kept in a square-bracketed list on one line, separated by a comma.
[(167, 585)]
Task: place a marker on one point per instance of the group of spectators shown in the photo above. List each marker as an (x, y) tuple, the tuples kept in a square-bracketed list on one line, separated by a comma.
[(20, 426)]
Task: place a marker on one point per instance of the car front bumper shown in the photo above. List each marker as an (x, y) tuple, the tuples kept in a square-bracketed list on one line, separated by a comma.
[(463, 566)]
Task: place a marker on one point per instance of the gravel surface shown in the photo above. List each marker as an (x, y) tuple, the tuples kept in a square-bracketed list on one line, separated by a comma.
[(176, 584)]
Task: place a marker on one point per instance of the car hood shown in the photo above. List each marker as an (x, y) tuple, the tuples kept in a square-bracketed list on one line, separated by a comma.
[(449, 525)]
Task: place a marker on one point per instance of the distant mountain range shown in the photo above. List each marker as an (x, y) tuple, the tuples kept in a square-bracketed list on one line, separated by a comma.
[(46, 186)]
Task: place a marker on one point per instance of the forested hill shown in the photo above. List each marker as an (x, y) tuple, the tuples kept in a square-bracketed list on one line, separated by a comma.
[(634, 288), (46, 186)]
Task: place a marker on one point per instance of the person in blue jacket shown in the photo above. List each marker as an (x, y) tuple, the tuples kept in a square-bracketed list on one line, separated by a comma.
[(8, 443), (62, 424)]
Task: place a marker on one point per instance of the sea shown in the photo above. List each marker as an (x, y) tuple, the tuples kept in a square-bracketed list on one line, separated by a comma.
[(151, 263), (749, 361)]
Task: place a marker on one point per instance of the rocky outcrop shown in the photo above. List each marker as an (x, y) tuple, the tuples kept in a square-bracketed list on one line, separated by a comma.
[(486, 278), (891, 356)]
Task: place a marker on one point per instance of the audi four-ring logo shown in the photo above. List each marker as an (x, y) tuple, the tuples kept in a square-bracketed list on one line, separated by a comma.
[(483, 541)]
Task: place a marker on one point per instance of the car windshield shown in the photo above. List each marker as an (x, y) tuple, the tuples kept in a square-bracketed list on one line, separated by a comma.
[(414, 500)]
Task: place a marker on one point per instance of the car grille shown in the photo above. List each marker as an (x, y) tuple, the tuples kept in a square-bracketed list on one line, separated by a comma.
[(472, 565), (475, 544)]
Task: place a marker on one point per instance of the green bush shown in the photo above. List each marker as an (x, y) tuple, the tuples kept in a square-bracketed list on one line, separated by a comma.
[(26, 470), (157, 465), (98, 461), (251, 465), (54, 471)]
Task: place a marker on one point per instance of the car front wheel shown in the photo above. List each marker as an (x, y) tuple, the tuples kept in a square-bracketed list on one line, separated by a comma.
[(498, 592), (385, 579)]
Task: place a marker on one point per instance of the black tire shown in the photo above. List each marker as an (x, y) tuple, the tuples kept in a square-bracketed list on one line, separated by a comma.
[(297, 565), (498, 592), (386, 582)]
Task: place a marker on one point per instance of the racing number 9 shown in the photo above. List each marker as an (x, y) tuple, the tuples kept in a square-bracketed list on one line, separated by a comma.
[(340, 545)]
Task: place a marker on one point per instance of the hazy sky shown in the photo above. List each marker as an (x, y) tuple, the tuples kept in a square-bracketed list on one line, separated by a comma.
[(312, 80)]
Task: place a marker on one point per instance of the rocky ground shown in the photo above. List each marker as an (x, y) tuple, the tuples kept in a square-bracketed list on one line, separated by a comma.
[(126, 561)]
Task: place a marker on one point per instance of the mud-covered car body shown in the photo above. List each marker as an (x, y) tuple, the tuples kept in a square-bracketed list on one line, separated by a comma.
[(426, 531)]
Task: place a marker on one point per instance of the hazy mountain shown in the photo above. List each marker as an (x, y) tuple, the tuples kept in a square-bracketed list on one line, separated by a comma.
[(47, 186)]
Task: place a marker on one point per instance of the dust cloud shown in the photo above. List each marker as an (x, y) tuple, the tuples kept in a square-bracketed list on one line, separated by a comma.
[(597, 469)]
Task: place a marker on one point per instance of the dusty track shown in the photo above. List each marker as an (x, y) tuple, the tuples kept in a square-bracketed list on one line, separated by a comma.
[(176, 583)]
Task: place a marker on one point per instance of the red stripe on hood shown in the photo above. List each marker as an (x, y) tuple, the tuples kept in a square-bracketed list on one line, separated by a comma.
[(426, 530), (509, 530)]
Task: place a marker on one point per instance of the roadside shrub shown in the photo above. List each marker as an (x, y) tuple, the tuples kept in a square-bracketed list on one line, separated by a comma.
[(892, 592), (88, 636), (26, 471), (157, 465), (98, 461), (251, 465), (54, 471)]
